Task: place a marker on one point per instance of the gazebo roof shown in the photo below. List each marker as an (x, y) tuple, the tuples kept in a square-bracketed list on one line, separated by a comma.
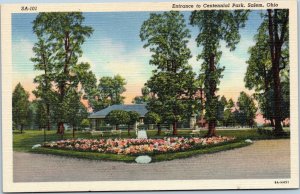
[(140, 108)]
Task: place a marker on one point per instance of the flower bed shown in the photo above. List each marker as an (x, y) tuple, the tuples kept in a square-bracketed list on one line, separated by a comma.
[(136, 146)]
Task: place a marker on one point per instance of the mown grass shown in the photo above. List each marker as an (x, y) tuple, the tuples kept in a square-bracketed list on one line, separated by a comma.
[(85, 155), (24, 142)]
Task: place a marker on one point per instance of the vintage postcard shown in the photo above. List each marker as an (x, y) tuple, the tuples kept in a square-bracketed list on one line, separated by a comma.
[(149, 96)]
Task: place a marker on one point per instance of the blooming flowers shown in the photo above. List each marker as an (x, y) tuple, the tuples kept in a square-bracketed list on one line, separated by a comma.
[(136, 146)]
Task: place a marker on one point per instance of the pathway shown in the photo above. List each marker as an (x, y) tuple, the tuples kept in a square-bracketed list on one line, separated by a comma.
[(263, 159)]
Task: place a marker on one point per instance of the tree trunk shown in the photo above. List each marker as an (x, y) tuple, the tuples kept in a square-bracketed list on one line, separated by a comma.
[(73, 131), (45, 135), (48, 117), (117, 127), (277, 101), (212, 89), (175, 128), (211, 129), (60, 128), (21, 128), (128, 130), (275, 43), (272, 122), (158, 129)]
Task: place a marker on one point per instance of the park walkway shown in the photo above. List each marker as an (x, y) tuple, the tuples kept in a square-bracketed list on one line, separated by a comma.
[(262, 159)]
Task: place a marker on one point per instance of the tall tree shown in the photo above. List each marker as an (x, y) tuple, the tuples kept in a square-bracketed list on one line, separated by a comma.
[(43, 61), (268, 69), (258, 75), (65, 33), (278, 37), (247, 108), (20, 106), (172, 85), (41, 118), (228, 118), (214, 26)]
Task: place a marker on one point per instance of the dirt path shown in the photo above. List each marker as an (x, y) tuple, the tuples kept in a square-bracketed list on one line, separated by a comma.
[(263, 159)]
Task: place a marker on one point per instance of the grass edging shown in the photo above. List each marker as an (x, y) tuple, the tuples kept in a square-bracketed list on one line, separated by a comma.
[(128, 158), (84, 155)]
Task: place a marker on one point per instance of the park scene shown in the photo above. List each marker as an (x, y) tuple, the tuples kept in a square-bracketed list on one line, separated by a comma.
[(178, 95)]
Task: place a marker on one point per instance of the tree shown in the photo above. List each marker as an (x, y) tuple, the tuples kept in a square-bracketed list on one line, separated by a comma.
[(258, 75), (153, 118), (278, 37), (41, 115), (85, 123), (64, 33), (133, 118), (43, 61), (172, 85), (214, 26), (76, 111), (228, 118), (268, 62), (240, 118), (222, 102), (247, 109), (109, 92), (117, 117), (20, 106), (144, 98)]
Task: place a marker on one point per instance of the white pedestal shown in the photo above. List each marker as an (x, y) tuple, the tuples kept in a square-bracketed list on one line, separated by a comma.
[(142, 134)]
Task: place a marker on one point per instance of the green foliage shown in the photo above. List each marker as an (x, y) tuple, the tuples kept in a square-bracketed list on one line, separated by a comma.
[(152, 118), (117, 117), (167, 36), (85, 123), (109, 92), (133, 117), (222, 102), (259, 75), (144, 99), (57, 52), (172, 85), (214, 26), (41, 114), (247, 109), (20, 106), (76, 111)]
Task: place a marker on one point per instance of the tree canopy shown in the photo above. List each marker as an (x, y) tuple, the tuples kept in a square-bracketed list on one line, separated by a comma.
[(20, 106), (117, 117), (108, 92), (172, 84), (267, 66), (57, 52), (214, 26)]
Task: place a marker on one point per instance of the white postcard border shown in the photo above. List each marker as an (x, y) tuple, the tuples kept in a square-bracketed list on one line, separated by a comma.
[(6, 81)]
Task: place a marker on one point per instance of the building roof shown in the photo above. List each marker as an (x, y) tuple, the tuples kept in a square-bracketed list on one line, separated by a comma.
[(140, 108)]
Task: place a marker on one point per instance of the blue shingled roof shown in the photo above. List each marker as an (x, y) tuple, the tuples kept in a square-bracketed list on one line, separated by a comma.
[(140, 108)]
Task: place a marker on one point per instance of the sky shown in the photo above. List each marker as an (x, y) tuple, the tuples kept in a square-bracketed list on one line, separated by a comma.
[(115, 48)]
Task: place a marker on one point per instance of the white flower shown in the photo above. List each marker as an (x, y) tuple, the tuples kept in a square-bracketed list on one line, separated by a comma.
[(143, 159), (248, 141)]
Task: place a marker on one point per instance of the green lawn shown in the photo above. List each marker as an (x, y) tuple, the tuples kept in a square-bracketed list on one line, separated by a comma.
[(24, 142)]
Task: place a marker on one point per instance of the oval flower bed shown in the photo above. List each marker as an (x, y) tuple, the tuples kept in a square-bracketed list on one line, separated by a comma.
[(136, 146)]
